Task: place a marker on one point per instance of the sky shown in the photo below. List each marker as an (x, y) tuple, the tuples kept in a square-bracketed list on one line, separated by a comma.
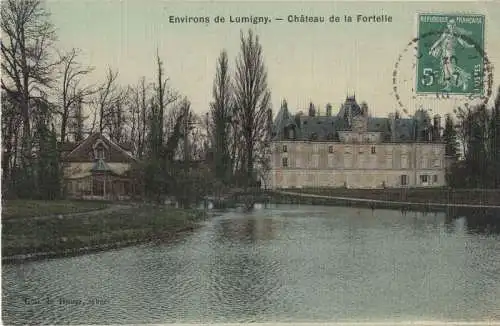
[(306, 62)]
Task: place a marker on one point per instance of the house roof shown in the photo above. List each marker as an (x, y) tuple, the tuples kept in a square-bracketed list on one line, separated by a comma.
[(84, 151)]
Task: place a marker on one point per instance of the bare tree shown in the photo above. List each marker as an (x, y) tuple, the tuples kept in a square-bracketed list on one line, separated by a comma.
[(252, 102), (118, 117), (139, 116), (76, 125), (10, 133), (70, 94), (27, 65), (106, 97), (166, 98)]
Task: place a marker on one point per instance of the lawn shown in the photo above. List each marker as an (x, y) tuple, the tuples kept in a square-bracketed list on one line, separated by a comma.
[(60, 235), (30, 208)]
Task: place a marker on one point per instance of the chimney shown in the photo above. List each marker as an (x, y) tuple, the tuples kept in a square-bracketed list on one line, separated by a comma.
[(364, 109), (270, 120), (284, 104), (392, 121), (312, 110), (328, 110)]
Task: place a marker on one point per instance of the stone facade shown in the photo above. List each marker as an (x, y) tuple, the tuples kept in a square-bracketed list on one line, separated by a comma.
[(352, 152)]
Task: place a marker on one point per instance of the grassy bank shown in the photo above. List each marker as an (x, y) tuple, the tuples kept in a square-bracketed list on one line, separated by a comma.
[(425, 200), (417, 195), (69, 236), (278, 198), (12, 209)]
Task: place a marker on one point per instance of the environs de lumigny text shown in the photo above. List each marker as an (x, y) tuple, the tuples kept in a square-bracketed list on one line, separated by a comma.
[(359, 18)]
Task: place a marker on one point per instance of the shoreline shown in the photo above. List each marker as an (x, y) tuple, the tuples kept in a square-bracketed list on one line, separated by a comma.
[(80, 251), (69, 237)]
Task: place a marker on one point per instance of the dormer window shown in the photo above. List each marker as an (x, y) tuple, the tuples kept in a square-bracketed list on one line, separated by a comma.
[(100, 153), (100, 150)]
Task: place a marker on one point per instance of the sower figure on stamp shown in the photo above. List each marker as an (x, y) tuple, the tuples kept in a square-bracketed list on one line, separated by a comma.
[(445, 49)]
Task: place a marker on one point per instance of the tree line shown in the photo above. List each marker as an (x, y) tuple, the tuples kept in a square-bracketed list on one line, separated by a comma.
[(472, 134), (46, 105)]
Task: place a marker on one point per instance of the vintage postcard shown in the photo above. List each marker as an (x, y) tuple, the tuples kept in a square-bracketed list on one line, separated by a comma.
[(237, 162)]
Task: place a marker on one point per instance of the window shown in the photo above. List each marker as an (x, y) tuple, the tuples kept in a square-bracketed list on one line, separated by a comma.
[(374, 150), (315, 161), (424, 178), (100, 153), (284, 162), (404, 161), (404, 180), (98, 187), (330, 149), (285, 149), (435, 178), (291, 133)]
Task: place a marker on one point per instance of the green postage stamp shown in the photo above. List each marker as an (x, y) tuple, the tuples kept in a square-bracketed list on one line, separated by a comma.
[(450, 54)]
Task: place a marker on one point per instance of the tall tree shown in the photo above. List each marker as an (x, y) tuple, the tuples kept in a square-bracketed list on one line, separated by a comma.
[(77, 122), (27, 62), (139, 117), (160, 102), (220, 113), (252, 102), (10, 133), (70, 93), (473, 133), (118, 117), (47, 168), (450, 137), (107, 94)]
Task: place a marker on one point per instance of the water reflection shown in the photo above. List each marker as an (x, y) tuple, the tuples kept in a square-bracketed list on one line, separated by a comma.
[(246, 229), (474, 220), (284, 263)]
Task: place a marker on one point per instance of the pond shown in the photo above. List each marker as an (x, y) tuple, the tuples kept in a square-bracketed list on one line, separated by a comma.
[(279, 263)]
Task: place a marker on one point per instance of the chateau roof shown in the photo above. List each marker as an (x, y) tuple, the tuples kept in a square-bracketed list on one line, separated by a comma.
[(326, 127)]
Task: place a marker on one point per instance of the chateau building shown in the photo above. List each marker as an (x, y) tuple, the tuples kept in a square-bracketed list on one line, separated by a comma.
[(354, 150)]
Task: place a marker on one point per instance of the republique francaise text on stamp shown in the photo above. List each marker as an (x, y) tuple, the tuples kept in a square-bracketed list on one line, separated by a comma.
[(450, 58)]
